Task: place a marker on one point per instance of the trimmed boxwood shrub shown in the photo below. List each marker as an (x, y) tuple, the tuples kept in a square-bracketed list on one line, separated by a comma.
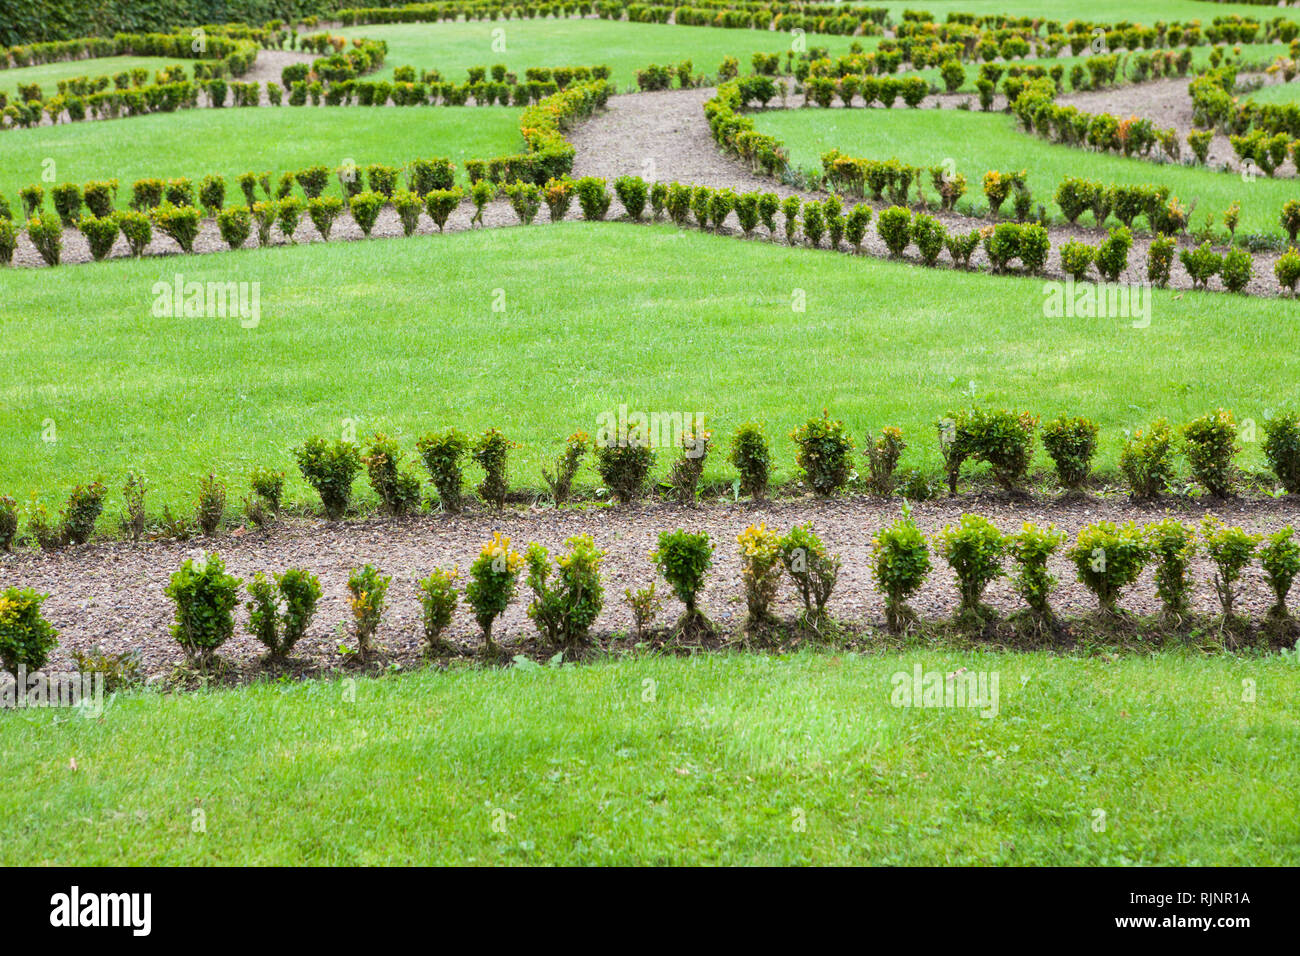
[(212, 194), (136, 229), (279, 613), (179, 223), (752, 458), (1172, 545), (565, 609), (1112, 254), (46, 234), (26, 637), (441, 203), (1071, 444), (323, 210), (438, 596), (1108, 558), (1282, 449), (205, 598), (236, 225), (493, 578), (825, 453), (1238, 269), (1280, 558), (100, 234), (399, 491), (365, 209), (684, 559), (330, 469), (367, 590), (1147, 460), (894, 225), (631, 191), (442, 453), (900, 560), (1031, 548), (592, 197), (1160, 259), (973, 549), (1201, 263), (624, 467), (929, 234), (1211, 446)]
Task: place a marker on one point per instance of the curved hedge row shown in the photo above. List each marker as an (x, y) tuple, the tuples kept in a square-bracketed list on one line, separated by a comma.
[(1002, 440), (568, 593)]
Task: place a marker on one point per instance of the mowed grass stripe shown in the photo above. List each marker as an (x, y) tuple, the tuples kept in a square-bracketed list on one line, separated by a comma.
[(401, 335), (717, 763), (231, 141)]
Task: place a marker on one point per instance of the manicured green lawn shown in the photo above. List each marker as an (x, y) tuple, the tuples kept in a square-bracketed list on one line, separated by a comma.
[(623, 47), (978, 142), (49, 74), (717, 759), (401, 335), (231, 141)]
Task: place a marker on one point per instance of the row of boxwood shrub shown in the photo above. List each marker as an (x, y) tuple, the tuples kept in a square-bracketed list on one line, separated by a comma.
[(1002, 440), (568, 595), (173, 93), (830, 221)]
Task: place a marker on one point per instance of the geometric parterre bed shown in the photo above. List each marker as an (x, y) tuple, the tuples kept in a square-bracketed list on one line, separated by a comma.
[(934, 370)]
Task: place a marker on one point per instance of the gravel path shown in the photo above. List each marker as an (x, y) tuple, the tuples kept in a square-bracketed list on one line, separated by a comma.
[(111, 595), (1166, 103), (666, 134)]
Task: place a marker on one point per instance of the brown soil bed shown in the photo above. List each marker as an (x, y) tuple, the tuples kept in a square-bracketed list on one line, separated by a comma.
[(111, 595)]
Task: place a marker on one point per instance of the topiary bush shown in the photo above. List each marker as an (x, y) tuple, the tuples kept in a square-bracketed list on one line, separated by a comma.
[(1160, 260), (565, 609), (100, 234), (684, 559), (894, 226), (1108, 558), (1147, 460), (442, 453), (1281, 448), (901, 562), (46, 234), (929, 234), (1287, 270), (751, 456), (592, 198), (1071, 444), (1230, 549), (624, 467), (1211, 446), (1280, 557), (559, 480), (26, 637), (365, 209), (367, 591), (211, 504), (812, 568), (760, 573), (438, 596), (973, 549), (235, 225), (1112, 254), (491, 452), (824, 451), (205, 598), (1031, 548), (1201, 263), (179, 223), (632, 192), (1237, 270), (323, 210), (398, 490), (330, 468), (684, 475), (1172, 546), (882, 458), (441, 203), (280, 612), (493, 578)]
